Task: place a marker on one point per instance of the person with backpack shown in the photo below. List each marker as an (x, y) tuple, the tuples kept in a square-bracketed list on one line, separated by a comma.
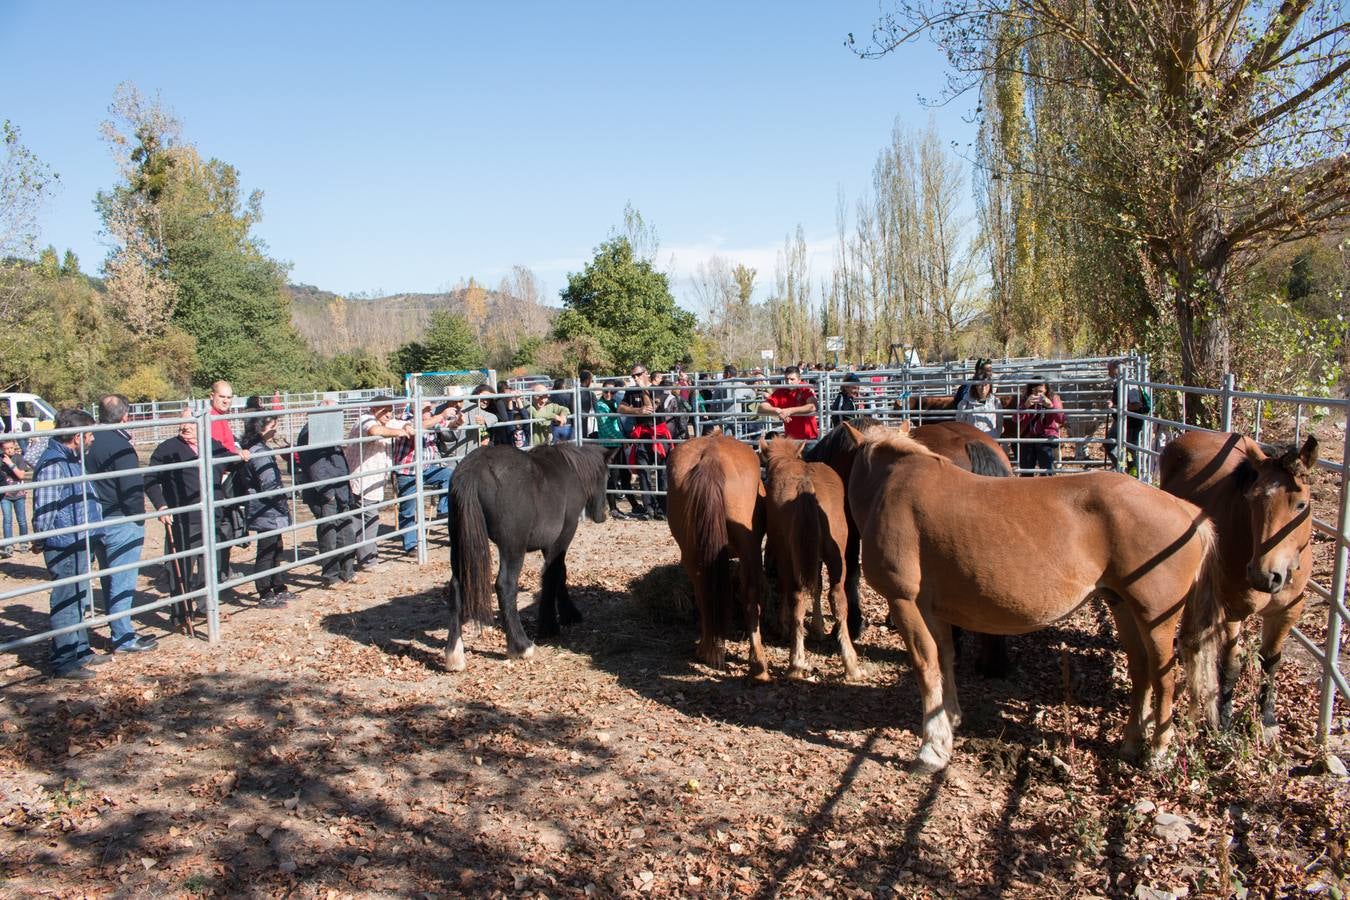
[(262, 475)]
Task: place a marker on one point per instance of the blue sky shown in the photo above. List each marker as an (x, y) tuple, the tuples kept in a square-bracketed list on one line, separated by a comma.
[(403, 147)]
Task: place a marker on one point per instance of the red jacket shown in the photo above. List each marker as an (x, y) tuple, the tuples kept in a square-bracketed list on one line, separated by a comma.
[(1041, 423)]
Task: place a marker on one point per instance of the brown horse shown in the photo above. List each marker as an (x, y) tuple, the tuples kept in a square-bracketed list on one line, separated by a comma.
[(922, 522), (1261, 511), (807, 525), (966, 446), (715, 504)]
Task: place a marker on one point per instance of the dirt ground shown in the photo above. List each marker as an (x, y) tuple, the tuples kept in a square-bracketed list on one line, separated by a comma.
[(322, 751)]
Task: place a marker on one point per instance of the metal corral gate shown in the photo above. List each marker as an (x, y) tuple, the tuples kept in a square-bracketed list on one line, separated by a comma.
[(1085, 381)]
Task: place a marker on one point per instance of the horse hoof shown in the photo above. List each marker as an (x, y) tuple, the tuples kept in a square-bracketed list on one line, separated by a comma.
[(454, 657), (853, 676), (928, 762), (526, 652), (1161, 760), (798, 673), (760, 676)]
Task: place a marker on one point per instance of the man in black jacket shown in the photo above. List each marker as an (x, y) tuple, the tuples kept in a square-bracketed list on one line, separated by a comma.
[(182, 487), (320, 464), (121, 495)]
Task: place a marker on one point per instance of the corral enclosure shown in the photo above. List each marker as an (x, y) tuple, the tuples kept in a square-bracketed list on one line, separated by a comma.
[(321, 750)]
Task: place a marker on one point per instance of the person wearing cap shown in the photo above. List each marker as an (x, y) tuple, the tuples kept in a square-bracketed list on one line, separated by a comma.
[(844, 407), (548, 419), (369, 462)]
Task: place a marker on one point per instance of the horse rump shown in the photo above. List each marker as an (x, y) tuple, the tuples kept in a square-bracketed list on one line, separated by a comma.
[(470, 559), (707, 517)]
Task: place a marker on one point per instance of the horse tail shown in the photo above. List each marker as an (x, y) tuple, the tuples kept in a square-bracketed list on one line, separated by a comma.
[(986, 460), (706, 485), (469, 550), (1202, 629)]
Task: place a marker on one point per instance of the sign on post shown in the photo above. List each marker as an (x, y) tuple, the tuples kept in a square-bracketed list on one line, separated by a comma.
[(834, 343)]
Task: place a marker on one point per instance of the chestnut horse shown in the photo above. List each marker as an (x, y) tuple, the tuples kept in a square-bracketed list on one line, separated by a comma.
[(965, 445), (715, 505), (1261, 511), (924, 525), (806, 525)]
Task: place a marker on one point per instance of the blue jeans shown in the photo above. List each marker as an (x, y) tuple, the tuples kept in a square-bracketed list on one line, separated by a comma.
[(15, 506), (118, 545), (432, 479), (562, 434), (68, 650)]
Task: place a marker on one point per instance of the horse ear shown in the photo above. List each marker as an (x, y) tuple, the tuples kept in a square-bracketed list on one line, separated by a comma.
[(1308, 455), (1255, 455), (763, 447), (611, 454), (905, 427)]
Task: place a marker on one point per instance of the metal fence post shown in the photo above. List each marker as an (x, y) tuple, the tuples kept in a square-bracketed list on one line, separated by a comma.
[(420, 518), (1122, 414), (1333, 647), (826, 398), (1226, 402), (208, 498), (578, 425)]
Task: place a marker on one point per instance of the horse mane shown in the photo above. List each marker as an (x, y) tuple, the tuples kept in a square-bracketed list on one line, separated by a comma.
[(584, 462), (781, 450), (898, 440)]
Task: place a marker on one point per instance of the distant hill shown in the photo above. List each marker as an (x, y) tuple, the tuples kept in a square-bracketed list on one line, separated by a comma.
[(332, 324)]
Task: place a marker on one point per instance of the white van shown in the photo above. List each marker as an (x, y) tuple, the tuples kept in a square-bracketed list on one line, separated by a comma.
[(25, 412)]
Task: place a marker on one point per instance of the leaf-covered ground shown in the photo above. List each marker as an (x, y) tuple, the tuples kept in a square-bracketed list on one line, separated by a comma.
[(322, 751)]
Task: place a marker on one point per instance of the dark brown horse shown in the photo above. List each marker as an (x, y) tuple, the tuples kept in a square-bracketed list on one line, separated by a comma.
[(715, 504), (924, 523), (966, 446), (1262, 515), (806, 526)]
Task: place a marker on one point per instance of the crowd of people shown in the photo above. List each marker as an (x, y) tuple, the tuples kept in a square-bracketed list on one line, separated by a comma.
[(92, 499)]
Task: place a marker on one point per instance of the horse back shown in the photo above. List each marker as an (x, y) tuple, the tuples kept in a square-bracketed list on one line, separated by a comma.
[(714, 496)]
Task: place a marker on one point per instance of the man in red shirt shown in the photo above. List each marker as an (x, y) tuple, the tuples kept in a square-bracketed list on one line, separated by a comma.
[(794, 404)]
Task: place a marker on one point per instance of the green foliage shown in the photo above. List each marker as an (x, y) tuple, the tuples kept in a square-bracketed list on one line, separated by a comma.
[(626, 306), (449, 344), (353, 371), (227, 293)]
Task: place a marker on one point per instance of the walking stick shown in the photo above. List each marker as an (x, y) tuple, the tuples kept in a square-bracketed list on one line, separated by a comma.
[(183, 608)]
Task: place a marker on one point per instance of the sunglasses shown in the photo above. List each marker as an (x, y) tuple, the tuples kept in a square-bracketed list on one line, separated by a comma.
[(643, 372)]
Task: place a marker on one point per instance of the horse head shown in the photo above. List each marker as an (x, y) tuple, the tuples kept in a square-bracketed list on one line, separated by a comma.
[(596, 507), (1278, 490)]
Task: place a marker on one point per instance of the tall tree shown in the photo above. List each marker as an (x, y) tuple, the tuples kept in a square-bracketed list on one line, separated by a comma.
[(1194, 132), (187, 244), (626, 305)]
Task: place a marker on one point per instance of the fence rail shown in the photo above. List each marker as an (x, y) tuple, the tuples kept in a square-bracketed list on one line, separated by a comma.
[(1094, 405)]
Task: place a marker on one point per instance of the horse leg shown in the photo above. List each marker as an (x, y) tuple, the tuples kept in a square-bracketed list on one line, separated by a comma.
[(1159, 643), (710, 651), (818, 617), (1229, 667), (508, 583), (1136, 657), (548, 598), (936, 749), (797, 666), (834, 563), (752, 593), (568, 614), (1275, 626), (852, 581), (942, 636), (454, 640)]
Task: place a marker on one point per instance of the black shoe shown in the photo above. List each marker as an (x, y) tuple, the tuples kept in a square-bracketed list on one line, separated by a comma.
[(271, 601), (95, 659), (287, 596), (138, 644), (331, 581), (76, 673)]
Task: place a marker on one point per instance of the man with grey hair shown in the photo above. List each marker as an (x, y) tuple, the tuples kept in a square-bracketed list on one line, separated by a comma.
[(121, 495)]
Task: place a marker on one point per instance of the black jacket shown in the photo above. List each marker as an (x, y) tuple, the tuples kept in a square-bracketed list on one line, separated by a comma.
[(124, 495), (182, 487), (320, 464)]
